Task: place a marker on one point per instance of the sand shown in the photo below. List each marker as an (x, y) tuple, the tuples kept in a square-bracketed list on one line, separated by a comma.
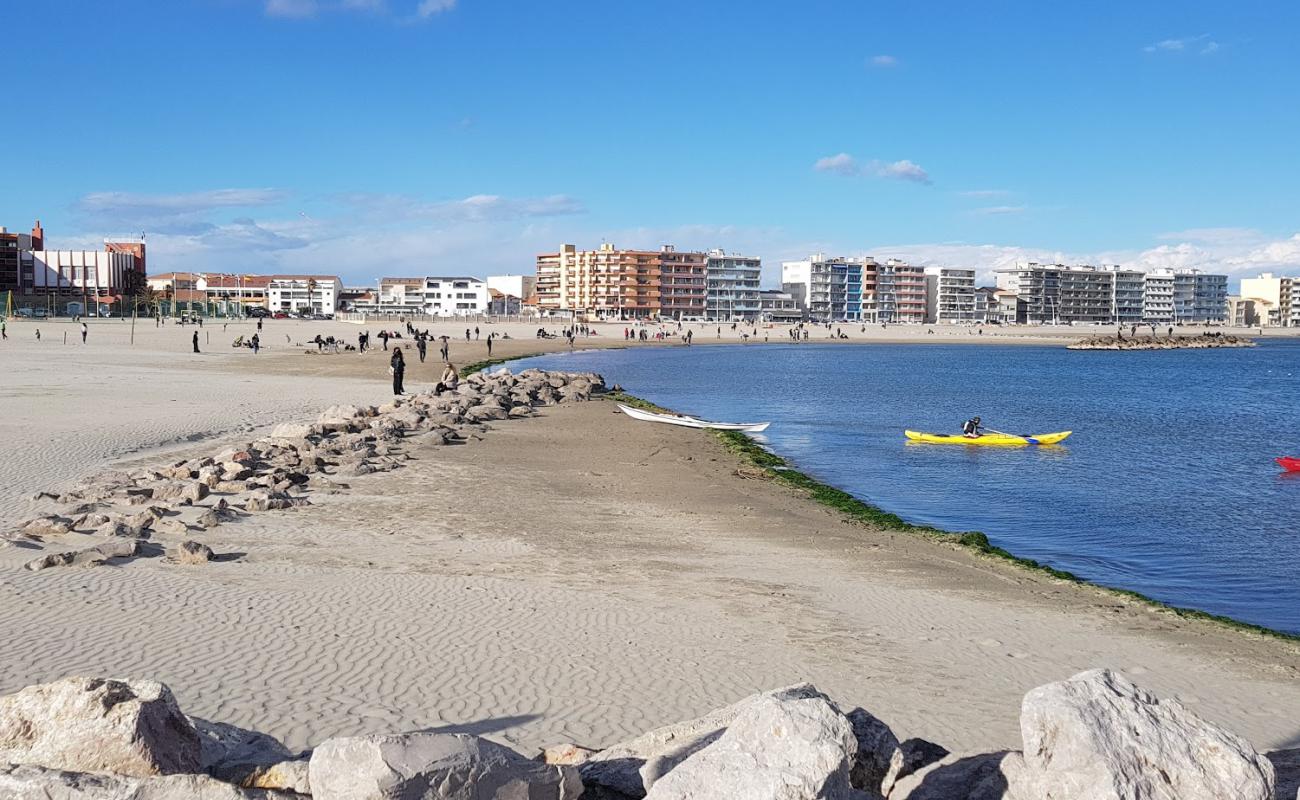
[(578, 576)]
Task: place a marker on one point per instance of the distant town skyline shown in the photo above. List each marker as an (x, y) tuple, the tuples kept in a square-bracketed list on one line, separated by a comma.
[(381, 137)]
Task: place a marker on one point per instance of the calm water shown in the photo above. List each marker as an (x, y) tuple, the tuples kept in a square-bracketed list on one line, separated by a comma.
[(1168, 485)]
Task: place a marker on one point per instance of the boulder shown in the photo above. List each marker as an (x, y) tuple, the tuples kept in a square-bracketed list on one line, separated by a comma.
[(28, 782), (521, 411), (97, 725), (878, 751), (249, 759), (173, 526), (91, 521), (292, 430), (49, 525), (190, 552), (428, 766), (1286, 764), (983, 776), (1100, 737), (774, 750), (619, 767), (91, 556)]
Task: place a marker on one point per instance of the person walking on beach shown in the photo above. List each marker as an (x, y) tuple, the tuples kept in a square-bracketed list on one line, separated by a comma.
[(397, 367), (443, 350), (259, 324), (475, 331), (196, 341), (256, 340), (422, 347), (84, 331), (4, 334), (489, 344), (467, 334)]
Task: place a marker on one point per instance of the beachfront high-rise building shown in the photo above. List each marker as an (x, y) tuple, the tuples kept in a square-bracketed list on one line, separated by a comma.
[(893, 291), (1084, 294), (950, 295), (1199, 297), (69, 281), (830, 289), (1278, 299), (623, 284), (733, 286), (1158, 296)]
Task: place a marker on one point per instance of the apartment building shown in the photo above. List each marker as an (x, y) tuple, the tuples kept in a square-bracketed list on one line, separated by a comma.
[(1158, 297), (1128, 295), (894, 291), (521, 287), (1038, 287), (455, 296), (684, 284), (830, 289), (1199, 297), (316, 294), (733, 286), (950, 296), (1278, 299), (623, 284)]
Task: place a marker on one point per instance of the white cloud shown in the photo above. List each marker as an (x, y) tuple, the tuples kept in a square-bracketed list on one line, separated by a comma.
[(479, 207), (985, 193), (840, 164), (1180, 45), (884, 61), (429, 8), (847, 166), (296, 9), (125, 202), (996, 211), (1215, 235)]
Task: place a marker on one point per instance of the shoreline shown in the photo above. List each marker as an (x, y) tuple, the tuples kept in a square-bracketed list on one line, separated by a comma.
[(756, 455)]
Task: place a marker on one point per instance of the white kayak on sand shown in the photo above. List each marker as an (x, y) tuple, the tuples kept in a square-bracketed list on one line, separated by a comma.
[(692, 422)]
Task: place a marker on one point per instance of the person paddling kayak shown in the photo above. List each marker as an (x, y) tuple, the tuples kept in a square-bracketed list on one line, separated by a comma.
[(971, 428)]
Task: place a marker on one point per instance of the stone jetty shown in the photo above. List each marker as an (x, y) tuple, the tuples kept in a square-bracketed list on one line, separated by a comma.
[(158, 511), (1202, 341), (1095, 736)]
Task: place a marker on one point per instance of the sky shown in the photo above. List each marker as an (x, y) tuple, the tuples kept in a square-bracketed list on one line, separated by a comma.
[(370, 138)]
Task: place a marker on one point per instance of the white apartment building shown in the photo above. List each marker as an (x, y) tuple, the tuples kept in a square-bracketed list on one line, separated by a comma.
[(830, 289), (455, 296), (520, 286), (1127, 295), (949, 295), (1199, 297), (318, 294), (1158, 296)]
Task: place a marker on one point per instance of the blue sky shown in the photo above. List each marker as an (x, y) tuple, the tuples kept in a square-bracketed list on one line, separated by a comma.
[(389, 137)]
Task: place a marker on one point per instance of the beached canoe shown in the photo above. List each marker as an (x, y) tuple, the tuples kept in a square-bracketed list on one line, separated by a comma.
[(1288, 464), (987, 439), (692, 422)]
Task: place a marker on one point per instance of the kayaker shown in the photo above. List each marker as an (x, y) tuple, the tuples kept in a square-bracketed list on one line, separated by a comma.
[(971, 428)]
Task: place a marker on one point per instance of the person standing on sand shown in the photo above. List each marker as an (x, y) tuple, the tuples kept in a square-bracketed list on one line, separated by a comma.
[(38, 334), (422, 347), (259, 324), (467, 334), (196, 341), (397, 368), (475, 331), (489, 344), (4, 334), (445, 346), (84, 331), (256, 341)]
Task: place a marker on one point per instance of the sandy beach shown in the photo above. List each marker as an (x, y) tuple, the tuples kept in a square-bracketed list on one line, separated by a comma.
[(576, 576)]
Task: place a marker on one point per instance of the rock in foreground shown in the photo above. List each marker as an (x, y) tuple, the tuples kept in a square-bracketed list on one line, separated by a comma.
[(94, 725), (433, 766), (1099, 737)]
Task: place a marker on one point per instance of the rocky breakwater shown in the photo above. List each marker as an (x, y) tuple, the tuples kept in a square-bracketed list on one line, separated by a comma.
[(1203, 341), (1095, 736), (120, 515)]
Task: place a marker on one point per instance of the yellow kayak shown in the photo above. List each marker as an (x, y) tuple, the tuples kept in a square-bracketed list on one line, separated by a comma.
[(987, 439)]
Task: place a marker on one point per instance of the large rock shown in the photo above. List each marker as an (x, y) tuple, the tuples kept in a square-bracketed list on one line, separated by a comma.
[(912, 756), (1099, 737), (984, 776), (28, 782), (428, 766), (91, 556), (190, 553), (1286, 763), (774, 750), (97, 725), (619, 767), (878, 757), (250, 759)]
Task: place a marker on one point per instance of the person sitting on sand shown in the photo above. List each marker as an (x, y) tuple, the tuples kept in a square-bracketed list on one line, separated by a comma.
[(971, 428), (450, 379)]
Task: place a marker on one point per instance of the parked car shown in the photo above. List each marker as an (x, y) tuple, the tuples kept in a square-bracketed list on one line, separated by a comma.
[(258, 311), (32, 313), (279, 315)]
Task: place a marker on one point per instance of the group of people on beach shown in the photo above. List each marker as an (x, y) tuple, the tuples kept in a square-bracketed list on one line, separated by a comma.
[(448, 381)]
